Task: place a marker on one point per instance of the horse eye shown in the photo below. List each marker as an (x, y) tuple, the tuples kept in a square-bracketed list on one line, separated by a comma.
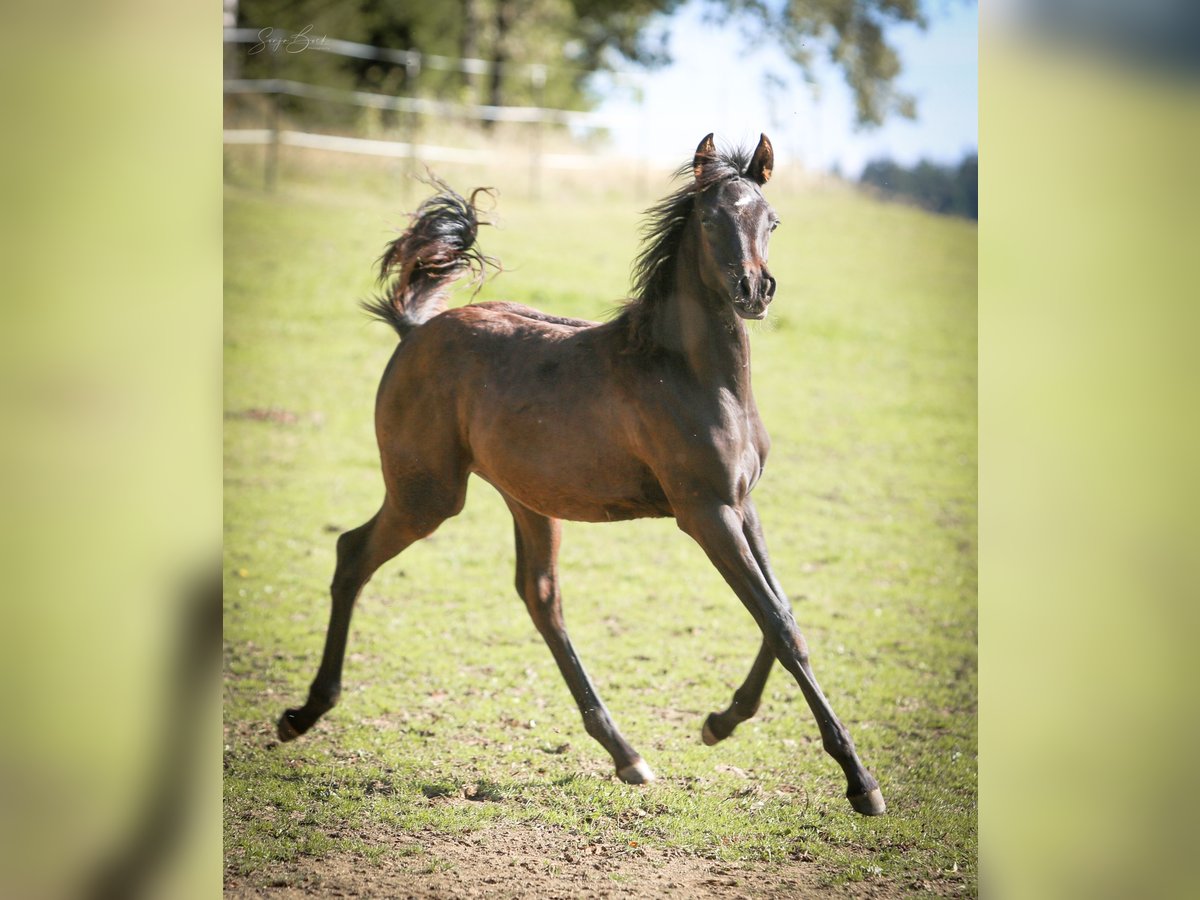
[(774, 224)]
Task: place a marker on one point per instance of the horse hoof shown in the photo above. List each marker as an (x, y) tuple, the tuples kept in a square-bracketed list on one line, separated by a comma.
[(637, 773), (285, 729), (869, 804), (707, 734)]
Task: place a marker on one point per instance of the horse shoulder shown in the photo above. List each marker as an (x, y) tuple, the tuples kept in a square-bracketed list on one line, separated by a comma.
[(704, 446)]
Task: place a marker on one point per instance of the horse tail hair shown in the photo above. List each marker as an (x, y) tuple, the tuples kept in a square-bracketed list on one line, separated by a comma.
[(418, 268)]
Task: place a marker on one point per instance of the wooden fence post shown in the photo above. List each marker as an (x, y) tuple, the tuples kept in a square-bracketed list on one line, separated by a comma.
[(412, 69), (272, 161), (537, 78)]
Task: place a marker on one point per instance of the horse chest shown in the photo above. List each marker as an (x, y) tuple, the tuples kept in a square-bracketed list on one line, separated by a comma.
[(719, 451), (750, 469), (748, 464)]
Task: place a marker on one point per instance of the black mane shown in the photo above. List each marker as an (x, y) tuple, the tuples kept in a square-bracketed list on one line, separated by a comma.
[(653, 273)]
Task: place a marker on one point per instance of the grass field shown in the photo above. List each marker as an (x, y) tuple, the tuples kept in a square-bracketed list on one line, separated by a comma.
[(865, 377)]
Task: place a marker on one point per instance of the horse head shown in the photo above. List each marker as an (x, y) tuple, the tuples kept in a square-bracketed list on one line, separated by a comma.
[(734, 223)]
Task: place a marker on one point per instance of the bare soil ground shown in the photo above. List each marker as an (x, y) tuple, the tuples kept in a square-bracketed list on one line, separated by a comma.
[(547, 863)]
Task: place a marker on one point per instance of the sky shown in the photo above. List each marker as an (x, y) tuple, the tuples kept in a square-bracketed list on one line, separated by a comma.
[(717, 84)]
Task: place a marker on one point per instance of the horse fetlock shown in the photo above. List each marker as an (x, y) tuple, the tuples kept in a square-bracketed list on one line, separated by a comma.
[(744, 707), (321, 700), (287, 728), (838, 744), (596, 722)]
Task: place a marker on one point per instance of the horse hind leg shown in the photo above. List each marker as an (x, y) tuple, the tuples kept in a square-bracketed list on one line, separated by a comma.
[(537, 540), (360, 552)]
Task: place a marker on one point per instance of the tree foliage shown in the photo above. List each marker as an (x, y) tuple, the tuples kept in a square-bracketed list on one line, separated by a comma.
[(576, 38), (952, 190), (568, 39), (852, 32)]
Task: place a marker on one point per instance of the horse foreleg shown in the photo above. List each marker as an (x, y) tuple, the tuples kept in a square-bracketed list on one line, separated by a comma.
[(537, 539), (720, 529), (746, 699)]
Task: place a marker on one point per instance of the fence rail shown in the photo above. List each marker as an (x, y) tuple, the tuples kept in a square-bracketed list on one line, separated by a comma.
[(419, 105), (394, 149), (276, 41)]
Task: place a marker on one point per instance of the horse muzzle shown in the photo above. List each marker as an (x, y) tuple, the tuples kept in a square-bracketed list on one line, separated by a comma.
[(753, 294)]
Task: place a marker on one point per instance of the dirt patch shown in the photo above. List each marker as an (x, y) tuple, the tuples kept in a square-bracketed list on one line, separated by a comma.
[(527, 861)]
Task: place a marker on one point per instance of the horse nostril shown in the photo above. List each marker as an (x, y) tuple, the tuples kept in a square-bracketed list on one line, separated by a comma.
[(744, 287), (770, 287)]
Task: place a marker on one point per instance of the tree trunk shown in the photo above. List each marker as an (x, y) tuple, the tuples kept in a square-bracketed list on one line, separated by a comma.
[(506, 13), (468, 46)]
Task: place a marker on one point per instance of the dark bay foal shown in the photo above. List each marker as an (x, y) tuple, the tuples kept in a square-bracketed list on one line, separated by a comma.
[(649, 414)]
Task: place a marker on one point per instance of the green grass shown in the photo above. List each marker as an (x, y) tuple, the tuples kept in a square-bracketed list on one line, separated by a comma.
[(865, 376)]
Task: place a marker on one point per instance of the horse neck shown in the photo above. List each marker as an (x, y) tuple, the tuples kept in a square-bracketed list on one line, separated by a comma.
[(702, 327)]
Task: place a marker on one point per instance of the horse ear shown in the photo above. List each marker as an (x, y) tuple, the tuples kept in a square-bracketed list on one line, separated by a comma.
[(762, 162), (705, 153)]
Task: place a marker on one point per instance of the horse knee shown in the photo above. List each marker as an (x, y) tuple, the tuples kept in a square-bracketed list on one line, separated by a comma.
[(542, 599), (545, 589), (786, 641), (800, 656), (539, 591)]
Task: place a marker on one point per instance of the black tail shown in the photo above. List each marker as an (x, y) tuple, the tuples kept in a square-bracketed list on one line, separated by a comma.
[(435, 251)]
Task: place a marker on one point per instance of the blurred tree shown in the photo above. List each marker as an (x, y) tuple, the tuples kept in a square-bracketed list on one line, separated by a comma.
[(853, 32), (608, 31), (966, 186), (953, 190), (568, 39), (575, 38), (505, 18), (468, 40)]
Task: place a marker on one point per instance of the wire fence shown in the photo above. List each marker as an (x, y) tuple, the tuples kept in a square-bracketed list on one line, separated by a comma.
[(420, 105), (394, 149), (275, 41)]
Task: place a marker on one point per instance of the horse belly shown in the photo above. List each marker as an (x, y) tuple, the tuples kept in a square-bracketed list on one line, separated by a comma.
[(574, 480)]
